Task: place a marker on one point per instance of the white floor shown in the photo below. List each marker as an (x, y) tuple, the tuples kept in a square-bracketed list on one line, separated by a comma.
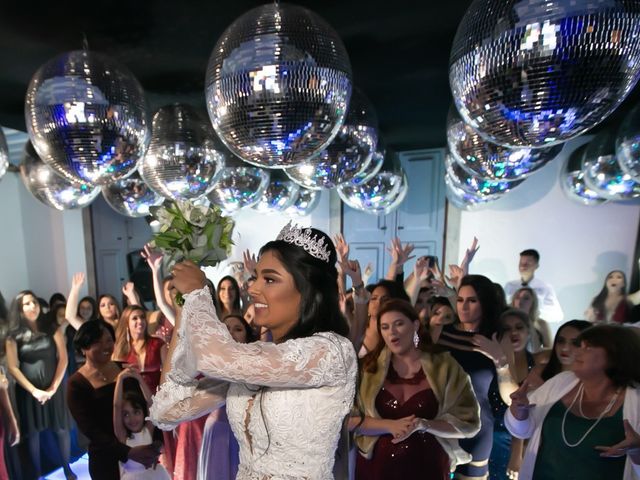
[(80, 468)]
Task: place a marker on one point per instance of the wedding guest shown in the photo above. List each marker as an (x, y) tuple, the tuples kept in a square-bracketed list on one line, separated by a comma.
[(37, 359), (526, 299), (611, 305), (228, 296)]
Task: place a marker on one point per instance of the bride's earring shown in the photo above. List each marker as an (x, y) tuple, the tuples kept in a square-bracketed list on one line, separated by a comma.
[(416, 339)]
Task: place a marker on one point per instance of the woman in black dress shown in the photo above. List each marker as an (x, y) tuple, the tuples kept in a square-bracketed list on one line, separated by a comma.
[(37, 359), (90, 396)]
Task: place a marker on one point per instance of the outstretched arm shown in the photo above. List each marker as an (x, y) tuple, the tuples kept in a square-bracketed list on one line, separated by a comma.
[(154, 260), (71, 310)]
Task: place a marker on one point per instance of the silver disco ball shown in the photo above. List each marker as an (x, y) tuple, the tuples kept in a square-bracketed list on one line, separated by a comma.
[(86, 116), (572, 180), (239, 185), (131, 196), (533, 73), (348, 154), (306, 203), (277, 86), (602, 172), (279, 195), (628, 144), (183, 160), (4, 155), (461, 199), (382, 193), (50, 188), (473, 185), (377, 160), (489, 160)]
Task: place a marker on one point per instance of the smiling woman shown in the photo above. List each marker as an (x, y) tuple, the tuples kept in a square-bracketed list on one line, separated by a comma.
[(303, 382)]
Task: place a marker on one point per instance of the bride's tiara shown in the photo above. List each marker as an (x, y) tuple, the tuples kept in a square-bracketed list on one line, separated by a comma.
[(296, 235)]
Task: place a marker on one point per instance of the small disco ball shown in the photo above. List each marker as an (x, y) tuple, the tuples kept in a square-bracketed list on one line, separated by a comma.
[(461, 199), (533, 73), (572, 180), (279, 195), (183, 160), (306, 203), (86, 116), (131, 196), (489, 160), (377, 160), (602, 172), (277, 86), (4, 155), (473, 185), (628, 144), (239, 185), (50, 188), (348, 154)]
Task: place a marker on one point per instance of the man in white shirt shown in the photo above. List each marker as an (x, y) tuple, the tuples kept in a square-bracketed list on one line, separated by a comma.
[(549, 306)]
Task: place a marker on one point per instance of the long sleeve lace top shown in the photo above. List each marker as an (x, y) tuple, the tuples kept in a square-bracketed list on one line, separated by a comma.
[(285, 402)]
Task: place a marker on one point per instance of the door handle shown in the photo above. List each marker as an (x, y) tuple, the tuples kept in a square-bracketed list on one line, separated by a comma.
[(383, 228), (400, 227)]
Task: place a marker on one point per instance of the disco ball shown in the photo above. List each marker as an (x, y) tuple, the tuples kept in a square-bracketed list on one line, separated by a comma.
[(532, 73), (628, 144), (461, 199), (86, 116), (279, 195), (489, 160), (348, 154), (377, 160), (474, 185), (306, 203), (4, 155), (50, 188), (278, 84), (239, 185), (572, 180), (602, 172), (183, 160), (382, 193), (131, 196)]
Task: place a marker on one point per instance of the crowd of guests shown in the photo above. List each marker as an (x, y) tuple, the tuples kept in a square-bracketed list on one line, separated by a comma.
[(457, 374)]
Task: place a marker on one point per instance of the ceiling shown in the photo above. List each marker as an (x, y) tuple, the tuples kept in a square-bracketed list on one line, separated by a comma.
[(399, 52)]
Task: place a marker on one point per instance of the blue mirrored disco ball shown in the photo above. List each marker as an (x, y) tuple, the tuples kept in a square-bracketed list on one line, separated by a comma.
[(348, 154), (86, 116), (381, 194), (533, 73), (50, 188), (602, 172), (491, 161), (240, 185), (183, 160), (280, 194), (4, 154), (131, 196), (463, 200), (474, 185), (278, 85), (572, 180), (628, 144), (306, 203)]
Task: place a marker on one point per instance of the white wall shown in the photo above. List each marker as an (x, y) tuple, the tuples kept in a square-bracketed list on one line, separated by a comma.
[(578, 245)]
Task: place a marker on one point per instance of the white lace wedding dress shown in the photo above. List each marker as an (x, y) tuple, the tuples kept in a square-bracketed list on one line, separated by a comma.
[(285, 402)]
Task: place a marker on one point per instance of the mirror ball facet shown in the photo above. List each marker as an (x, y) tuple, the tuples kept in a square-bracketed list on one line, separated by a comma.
[(131, 196), (306, 203), (476, 186), (572, 180), (280, 194), (602, 172), (240, 185), (490, 161), (278, 85), (380, 195), (86, 116), (461, 199), (183, 160), (348, 154), (534, 73), (50, 188)]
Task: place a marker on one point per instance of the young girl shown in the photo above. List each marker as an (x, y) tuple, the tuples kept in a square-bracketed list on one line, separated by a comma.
[(129, 412)]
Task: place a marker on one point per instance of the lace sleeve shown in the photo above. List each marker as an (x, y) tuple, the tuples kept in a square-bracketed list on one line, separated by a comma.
[(315, 361)]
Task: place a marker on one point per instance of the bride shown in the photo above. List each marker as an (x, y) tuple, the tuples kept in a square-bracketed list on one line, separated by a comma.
[(286, 400)]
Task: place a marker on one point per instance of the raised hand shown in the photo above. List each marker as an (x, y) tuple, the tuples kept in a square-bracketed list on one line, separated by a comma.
[(629, 446), (128, 288), (77, 280), (469, 254), (400, 253), (342, 247), (367, 273), (421, 268), (455, 276), (187, 277), (351, 268), (520, 405), (250, 262), (153, 257)]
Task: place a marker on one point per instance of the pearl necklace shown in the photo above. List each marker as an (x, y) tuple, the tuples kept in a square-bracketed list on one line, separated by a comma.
[(579, 396)]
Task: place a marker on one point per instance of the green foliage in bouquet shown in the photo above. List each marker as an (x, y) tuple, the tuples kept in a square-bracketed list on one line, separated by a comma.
[(193, 232)]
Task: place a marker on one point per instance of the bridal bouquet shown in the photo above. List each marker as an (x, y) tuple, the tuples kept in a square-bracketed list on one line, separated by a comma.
[(192, 232)]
